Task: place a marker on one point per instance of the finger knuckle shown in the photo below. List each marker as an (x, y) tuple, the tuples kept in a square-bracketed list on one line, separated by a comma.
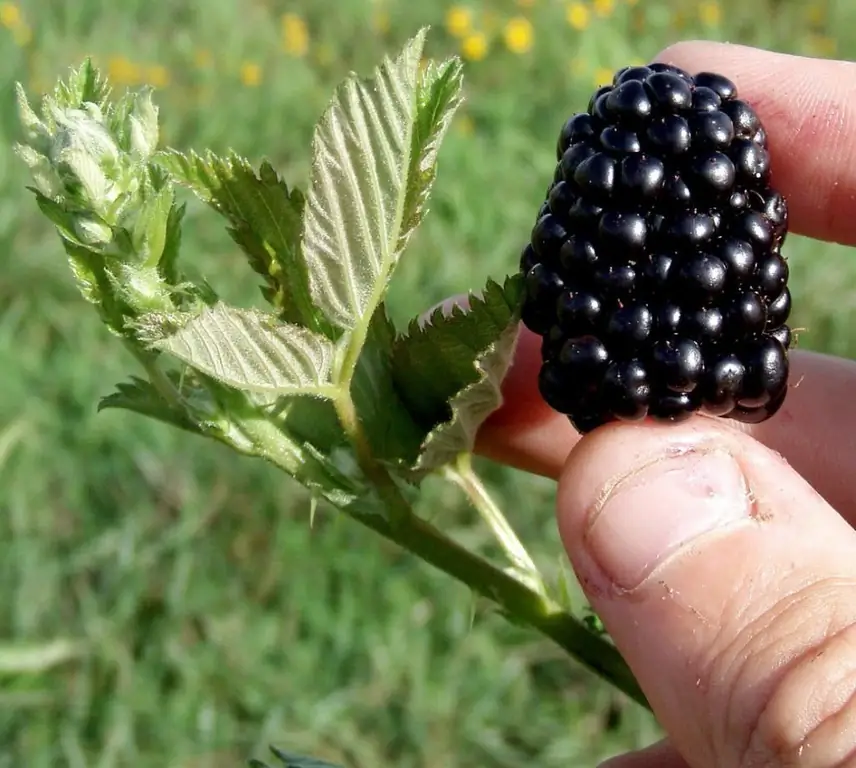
[(790, 697)]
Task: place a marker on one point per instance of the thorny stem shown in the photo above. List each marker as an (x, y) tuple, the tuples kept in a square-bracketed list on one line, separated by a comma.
[(521, 602), (403, 527), (422, 539), (463, 476), (397, 506)]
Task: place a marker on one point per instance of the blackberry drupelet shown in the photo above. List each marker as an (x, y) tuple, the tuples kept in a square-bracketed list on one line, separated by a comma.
[(654, 272)]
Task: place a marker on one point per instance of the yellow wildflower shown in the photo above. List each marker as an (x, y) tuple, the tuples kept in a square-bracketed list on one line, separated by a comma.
[(578, 15), (251, 74), (459, 21), (604, 7), (123, 71), (474, 46), (710, 13), (602, 76), (157, 75), (10, 15), (518, 35), (295, 35)]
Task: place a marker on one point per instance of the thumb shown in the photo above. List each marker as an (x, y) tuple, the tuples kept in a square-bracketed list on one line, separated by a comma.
[(728, 584)]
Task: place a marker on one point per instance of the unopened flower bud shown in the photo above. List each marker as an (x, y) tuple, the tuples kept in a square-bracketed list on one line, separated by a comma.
[(92, 231)]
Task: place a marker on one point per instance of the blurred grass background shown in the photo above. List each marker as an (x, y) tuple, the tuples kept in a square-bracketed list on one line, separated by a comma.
[(163, 603)]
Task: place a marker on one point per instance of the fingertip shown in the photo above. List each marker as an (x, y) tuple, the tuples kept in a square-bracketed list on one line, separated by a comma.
[(807, 108), (622, 460), (688, 539), (524, 432), (522, 403), (689, 54)]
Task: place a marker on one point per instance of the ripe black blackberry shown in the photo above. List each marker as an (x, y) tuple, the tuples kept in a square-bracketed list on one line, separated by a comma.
[(654, 272)]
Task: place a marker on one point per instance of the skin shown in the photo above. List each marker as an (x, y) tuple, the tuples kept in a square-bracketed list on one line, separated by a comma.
[(722, 557)]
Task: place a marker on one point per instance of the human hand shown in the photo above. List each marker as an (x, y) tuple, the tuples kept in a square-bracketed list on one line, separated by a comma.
[(721, 557)]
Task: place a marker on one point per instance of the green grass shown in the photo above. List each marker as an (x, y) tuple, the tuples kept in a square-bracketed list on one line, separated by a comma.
[(205, 617)]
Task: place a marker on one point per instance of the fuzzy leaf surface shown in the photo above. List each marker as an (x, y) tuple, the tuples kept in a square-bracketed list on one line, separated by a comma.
[(246, 349), (265, 220), (449, 370), (84, 84), (439, 95), (373, 155)]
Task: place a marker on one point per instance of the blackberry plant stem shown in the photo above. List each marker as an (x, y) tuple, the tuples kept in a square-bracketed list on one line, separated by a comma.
[(520, 602), (464, 477)]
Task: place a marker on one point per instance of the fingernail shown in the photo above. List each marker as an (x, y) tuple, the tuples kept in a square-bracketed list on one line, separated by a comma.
[(658, 510)]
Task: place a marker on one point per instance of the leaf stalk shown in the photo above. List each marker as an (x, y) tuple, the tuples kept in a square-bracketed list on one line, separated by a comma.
[(464, 477)]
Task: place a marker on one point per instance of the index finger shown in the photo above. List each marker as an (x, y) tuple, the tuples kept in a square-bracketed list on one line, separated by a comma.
[(808, 108)]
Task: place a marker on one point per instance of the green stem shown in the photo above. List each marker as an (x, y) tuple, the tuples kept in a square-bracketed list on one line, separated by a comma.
[(463, 476), (397, 506), (593, 651), (403, 527), (159, 380)]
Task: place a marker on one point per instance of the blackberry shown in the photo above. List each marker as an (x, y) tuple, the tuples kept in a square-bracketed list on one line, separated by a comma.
[(654, 272)]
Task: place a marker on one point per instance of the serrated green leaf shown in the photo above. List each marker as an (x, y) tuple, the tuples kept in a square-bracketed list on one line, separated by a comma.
[(148, 237), (95, 285), (168, 265), (246, 349), (449, 370), (265, 220), (470, 407), (45, 177), (390, 428), (85, 84), (290, 760), (35, 130), (312, 420), (85, 265), (143, 130), (58, 216), (373, 155), (141, 397), (436, 359), (439, 96)]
